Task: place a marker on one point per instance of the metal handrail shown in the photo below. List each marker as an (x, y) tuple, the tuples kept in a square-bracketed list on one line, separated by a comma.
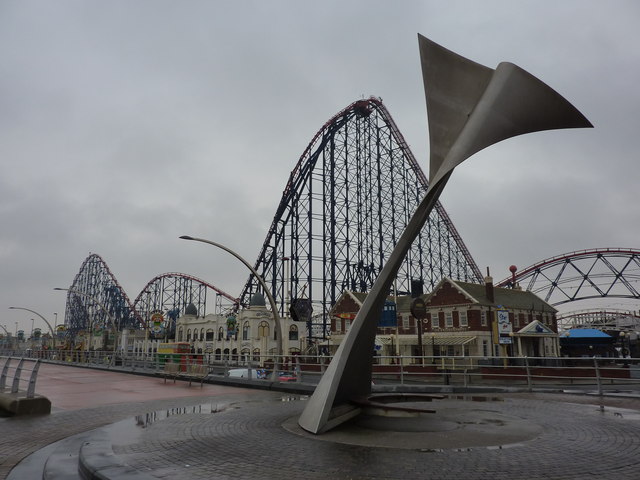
[(17, 376)]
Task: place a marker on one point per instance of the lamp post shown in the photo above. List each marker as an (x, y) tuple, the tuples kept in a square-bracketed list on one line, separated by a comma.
[(53, 335), (104, 309), (272, 302)]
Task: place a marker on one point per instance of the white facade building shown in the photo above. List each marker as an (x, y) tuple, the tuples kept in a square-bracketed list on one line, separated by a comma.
[(246, 336)]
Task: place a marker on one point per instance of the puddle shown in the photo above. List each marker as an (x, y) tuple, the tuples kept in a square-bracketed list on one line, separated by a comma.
[(130, 430), (475, 398)]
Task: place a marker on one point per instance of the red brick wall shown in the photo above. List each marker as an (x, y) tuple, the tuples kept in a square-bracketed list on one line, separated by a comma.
[(447, 295)]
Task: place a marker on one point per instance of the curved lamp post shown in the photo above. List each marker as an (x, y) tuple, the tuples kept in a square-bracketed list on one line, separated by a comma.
[(53, 334), (104, 309), (272, 302)]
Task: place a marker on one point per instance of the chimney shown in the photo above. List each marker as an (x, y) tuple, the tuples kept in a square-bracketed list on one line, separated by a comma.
[(488, 285), (417, 288)]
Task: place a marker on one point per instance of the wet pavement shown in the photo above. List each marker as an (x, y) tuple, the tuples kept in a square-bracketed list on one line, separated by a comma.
[(220, 432)]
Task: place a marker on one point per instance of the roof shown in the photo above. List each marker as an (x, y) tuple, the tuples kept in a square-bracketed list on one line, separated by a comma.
[(535, 329), (508, 297), (585, 333)]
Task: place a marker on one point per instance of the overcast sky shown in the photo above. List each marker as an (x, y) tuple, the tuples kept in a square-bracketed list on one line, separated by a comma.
[(125, 124)]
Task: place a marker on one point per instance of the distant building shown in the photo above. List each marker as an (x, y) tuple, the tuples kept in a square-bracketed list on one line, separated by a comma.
[(248, 335), (460, 319)]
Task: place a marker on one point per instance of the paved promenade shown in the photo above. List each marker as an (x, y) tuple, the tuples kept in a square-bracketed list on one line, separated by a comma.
[(237, 433)]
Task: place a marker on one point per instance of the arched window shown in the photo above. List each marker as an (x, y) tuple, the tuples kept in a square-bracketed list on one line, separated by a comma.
[(188, 334), (263, 329), (220, 333), (293, 332), (180, 332), (202, 334), (245, 355), (245, 331), (218, 353), (209, 335), (256, 355), (225, 354)]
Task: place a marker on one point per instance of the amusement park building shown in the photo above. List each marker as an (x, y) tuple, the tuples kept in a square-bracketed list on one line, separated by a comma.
[(249, 334), (460, 319)]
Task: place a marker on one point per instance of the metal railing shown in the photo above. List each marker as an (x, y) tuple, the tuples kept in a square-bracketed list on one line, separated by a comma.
[(16, 375), (465, 371)]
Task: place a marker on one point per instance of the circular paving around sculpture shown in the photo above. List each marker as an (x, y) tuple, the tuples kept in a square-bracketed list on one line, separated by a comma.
[(520, 437)]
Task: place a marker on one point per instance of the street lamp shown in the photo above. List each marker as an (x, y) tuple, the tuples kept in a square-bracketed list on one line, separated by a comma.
[(53, 335), (111, 319), (272, 302)]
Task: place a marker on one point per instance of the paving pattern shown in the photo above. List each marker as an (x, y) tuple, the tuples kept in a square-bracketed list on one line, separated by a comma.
[(578, 441), (246, 438)]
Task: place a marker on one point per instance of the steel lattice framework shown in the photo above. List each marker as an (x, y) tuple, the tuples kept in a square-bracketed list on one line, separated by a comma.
[(581, 275), (346, 203), (95, 289), (600, 319), (171, 293), (93, 293)]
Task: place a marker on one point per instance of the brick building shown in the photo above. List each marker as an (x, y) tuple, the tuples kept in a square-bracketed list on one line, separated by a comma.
[(460, 319)]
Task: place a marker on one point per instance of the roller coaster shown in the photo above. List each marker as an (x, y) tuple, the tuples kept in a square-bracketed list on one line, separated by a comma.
[(581, 275), (346, 201)]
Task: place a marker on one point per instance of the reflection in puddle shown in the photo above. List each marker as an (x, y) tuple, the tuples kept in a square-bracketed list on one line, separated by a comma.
[(128, 432), (147, 419)]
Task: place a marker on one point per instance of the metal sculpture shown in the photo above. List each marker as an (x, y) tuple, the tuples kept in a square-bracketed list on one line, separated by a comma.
[(470, 107), (582, 275), (344, 207)]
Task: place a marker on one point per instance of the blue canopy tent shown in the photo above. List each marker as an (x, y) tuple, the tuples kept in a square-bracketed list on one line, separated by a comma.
[(581, 342)]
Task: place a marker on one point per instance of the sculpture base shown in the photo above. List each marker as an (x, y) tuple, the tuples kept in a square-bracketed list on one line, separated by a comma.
[(447, 423)]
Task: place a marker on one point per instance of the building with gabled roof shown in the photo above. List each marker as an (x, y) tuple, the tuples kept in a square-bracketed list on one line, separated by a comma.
[(460, 319)]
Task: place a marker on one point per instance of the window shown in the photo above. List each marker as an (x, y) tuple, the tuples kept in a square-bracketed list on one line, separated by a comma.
[(347, 324), (448, 319), (202, 334), (263, 329), (209, 335), (483, 318), (256, 354), (188, 335), (220, 333), (293, 332), (245, 331), (180, 334), (436, 321), (485, 348), (463, 319), (405, 321)]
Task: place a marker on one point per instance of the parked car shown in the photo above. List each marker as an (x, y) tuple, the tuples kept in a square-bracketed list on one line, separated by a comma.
[(247, 373), (287, 377)]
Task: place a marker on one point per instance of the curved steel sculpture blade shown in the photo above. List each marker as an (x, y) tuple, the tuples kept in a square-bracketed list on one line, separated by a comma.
[(469, 107)]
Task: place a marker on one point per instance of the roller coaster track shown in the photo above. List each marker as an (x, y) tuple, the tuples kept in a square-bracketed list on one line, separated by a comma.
[(581, 275), (95, 294), (346, 202)]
